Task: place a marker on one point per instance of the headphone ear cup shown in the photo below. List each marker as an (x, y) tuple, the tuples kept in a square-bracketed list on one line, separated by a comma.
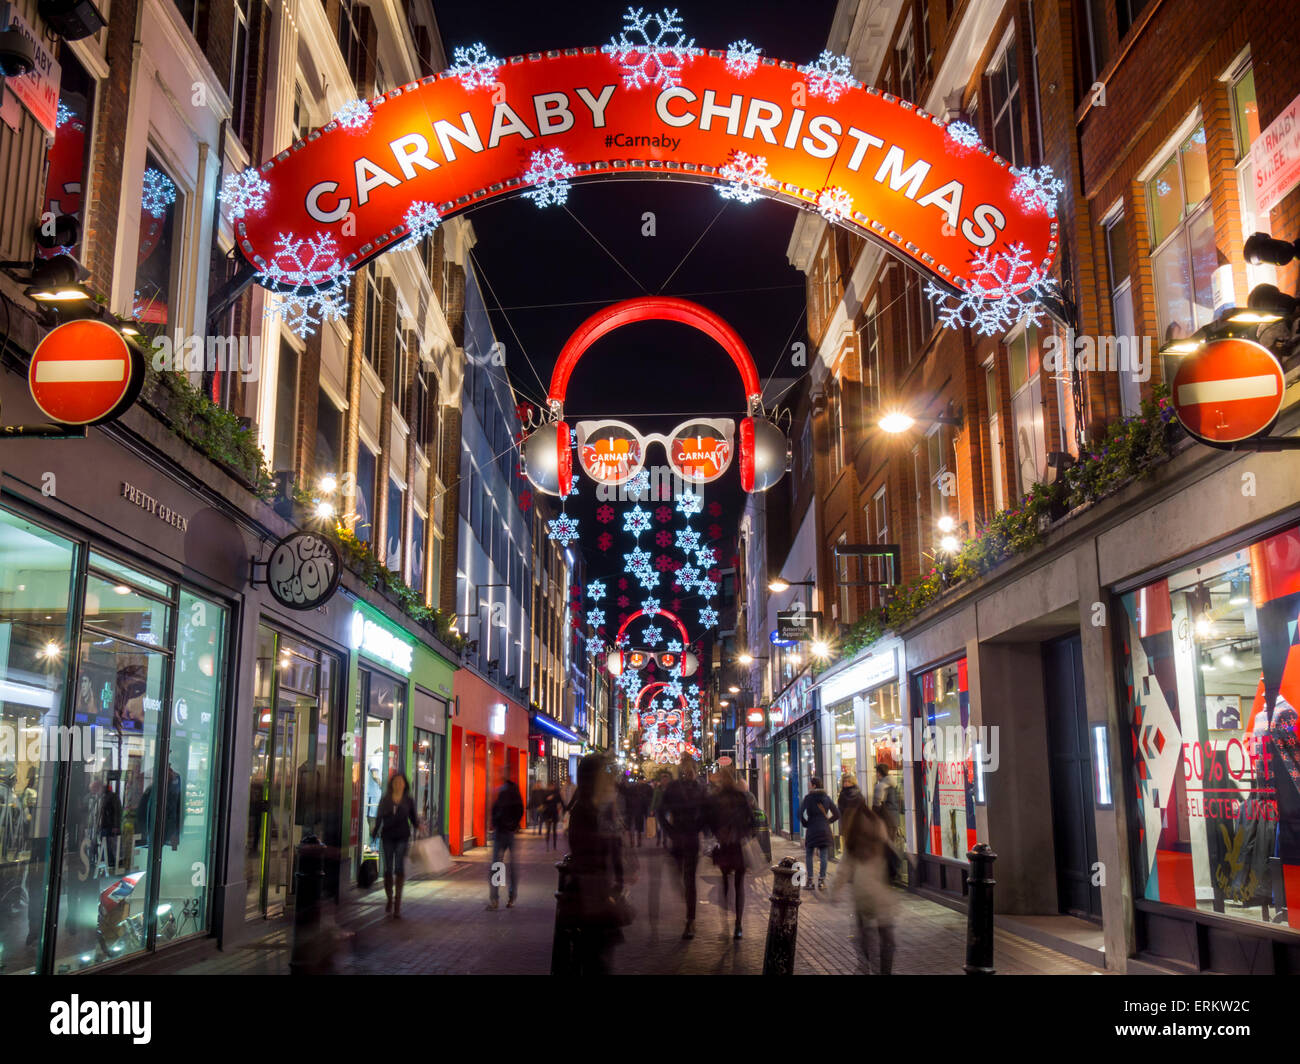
[(564, 457), (747, 454)]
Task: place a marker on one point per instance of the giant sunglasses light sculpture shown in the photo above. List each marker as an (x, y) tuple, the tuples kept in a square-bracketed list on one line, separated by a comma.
[(764, 452)]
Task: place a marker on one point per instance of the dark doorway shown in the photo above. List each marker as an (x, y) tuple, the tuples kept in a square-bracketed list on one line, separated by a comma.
[(1070, 768)]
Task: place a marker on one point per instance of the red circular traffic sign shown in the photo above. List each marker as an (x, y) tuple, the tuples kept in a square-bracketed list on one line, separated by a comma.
[(84, 373), (1229, 390)]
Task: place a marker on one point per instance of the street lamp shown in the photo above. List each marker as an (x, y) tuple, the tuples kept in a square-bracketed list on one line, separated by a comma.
[(896, 421), (734, 689), (746, 658), (778, 584)]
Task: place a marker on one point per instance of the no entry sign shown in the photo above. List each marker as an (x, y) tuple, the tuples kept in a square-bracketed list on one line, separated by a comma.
[(1228, 391), (85, 373)]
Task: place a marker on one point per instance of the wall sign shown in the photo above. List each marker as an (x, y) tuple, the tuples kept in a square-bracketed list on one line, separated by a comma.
[(1228, 391), (380, 643), (154, 508), (1275, 156), (303, 571), (874, 163), (84, 373), (795, 626), (872, 671), (38, 90)]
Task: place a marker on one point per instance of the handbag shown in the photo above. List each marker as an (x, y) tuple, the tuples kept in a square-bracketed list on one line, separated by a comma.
[(369, 869), (430, 856), (651, 826), (756, 863)]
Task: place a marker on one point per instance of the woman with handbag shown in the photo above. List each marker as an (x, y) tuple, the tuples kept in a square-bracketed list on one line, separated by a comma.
[(730, 817), (874, 903), (395, 819), (596, 906)]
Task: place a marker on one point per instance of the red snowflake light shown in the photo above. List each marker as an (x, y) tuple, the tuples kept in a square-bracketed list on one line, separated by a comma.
[(664, 563), (677, 605), (525, 500), (605, 514), (604, 541), (664, 514), (623, 601), (664, 538), (622, 583), (715, 531), (715, 508)]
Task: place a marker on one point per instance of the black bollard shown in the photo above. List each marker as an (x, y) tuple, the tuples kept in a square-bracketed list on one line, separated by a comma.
[(308, 954), (783, 923), (979, 911), (564, 944)]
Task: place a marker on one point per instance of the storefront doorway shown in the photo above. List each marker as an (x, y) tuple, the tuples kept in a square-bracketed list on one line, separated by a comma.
[(1074, 829), (383, 703)]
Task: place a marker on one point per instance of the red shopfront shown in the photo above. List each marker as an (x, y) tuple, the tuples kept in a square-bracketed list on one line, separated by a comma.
[(488, 732)]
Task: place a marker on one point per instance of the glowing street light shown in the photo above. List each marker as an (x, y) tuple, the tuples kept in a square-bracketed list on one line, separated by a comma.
[(896, 422)]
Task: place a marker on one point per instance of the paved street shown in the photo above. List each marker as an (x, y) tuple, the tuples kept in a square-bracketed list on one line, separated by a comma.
[(445, 929)]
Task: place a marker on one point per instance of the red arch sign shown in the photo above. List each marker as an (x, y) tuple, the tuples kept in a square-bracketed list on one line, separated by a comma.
[(897, 173)]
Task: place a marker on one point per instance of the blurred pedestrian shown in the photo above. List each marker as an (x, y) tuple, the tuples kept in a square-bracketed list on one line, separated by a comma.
[(730, 817), (552, 809), (535, 796), (638, 807), (507, 811), (683, 814), (884, 801), (656, 805), (867, 879), (817, 813), (596, 866), (395, 817)]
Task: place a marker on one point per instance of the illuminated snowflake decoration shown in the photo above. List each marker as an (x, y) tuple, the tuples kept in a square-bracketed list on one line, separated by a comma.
[(309, 280), (596, 590), (630, 681), (636, 560), (636, 521), (595, 646), (742, 58), (1038, 189), (689, 503), (549, 175), (963, 134), (648, 578), (651, 607), (688, 539), (651, 49), (421, 220), (829, 76), (706, 587), (706, 557), (693, 697), (243, 193), (62, 114), (474, 67), (354, 114), (563, 529), (674, 645), (1004, 288), (673, 690), (637, 486), (709, 617), (595, 618), (746, 176), (688, 576), (158, 193), (605, 514), (623, 642), (664, 514), (652, 637), (834, 204)]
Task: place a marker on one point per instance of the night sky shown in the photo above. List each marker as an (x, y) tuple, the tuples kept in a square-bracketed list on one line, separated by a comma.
[(547, 274)]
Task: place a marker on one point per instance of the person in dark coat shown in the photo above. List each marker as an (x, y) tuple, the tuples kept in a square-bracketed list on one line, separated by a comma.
[(552, 809), (730, 818), (596, 867), (637, 803), (395, 818), (682, 808), (507, 812), (817, 813)]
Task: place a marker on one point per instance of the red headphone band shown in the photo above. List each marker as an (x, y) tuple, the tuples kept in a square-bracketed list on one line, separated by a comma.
[(662, 613), (655, 308)]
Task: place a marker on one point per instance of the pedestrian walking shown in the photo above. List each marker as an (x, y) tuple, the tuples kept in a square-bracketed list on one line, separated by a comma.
[(535, 796), (885, 804), (594, 903), (817, 813), (683, 814), (656, 806), (552, 809), (730, 818), (507, 811), (867, 880), (638, 808), (395, 817)]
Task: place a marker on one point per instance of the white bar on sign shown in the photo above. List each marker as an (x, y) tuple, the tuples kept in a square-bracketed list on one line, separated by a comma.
[(1260, 387), (80, 371)]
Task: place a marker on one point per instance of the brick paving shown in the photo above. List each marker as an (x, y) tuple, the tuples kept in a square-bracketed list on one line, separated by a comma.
[(446, 929)]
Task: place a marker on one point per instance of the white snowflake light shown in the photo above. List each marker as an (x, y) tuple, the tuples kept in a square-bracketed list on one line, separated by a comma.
[(706, 557), (690, 503), (746, 176), (834, 204), (595, 646), (636, 521), (310, 282), (630, 681), (742, 58), (61, 114), (688, 576), (673, 690), (962, 134), (563, 529), (595, 618), (1038, 189), (1004, 288), (708, 617), (421, 220), (636, 560), (637, 485), (651, 607), (674, 645), (648, 577), (706, 587), (549, 175), (243, 193), (475, 67), (652, 637), (158, 193), (688, 540), (596, 590), (651, 49), (354, 114), (829, 76)]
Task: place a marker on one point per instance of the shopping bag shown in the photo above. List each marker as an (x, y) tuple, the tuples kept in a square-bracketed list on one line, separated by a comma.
[(756, 863), (430, 856), (651, 827), (368, 872)]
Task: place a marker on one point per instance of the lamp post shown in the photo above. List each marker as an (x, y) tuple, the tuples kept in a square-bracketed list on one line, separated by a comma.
[(896, 421)]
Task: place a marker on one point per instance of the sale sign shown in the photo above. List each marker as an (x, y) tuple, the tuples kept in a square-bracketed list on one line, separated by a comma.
[(865, 159)]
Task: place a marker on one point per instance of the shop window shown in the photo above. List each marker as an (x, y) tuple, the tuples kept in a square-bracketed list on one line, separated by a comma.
[(329, 434), (349, 38), (905, 61), (401, 367), (1027, 408), (374, 309), (835, 421), (1245, 121), (1212, 686), (1121, 303), (995, 435), (417, 553), (1182, 233), (869, 346), (1004, 98), (1096, 46), (286, 408), (428, 759), (365, 493), (921, 478), (68, 157), (157, 248), (942, 482), (240, 74), (393, 541), (945, 777)]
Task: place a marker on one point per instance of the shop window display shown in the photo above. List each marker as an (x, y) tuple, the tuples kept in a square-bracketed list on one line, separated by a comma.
[(946, 777), (1212, 682)]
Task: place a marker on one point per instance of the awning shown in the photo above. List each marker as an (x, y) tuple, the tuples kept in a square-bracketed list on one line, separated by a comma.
[(554, 727)]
